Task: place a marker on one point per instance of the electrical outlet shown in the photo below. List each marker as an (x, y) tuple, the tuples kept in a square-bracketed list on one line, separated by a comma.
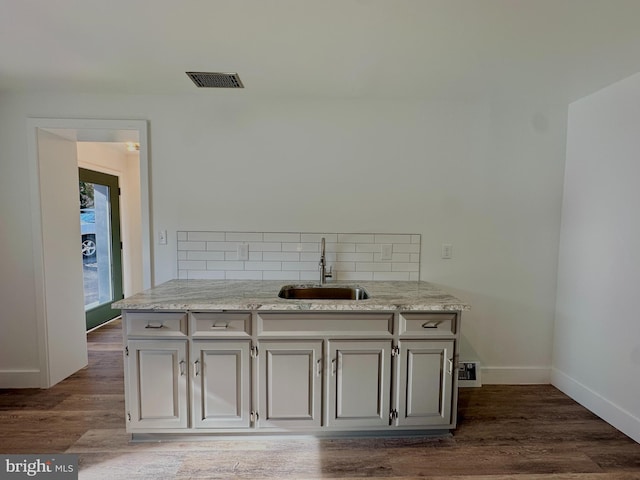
[(162, 237), (447, 250), (243, 251), (386, 251)]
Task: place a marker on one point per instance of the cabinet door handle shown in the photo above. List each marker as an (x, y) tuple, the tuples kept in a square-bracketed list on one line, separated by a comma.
[(182, 365), (450, 362), (196, 368), (333, 367), (154, 325), (318, 367), (219, 327), (431, 324)]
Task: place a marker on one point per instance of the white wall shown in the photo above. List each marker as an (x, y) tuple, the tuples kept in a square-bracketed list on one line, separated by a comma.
[(597, 332), (483, 175)]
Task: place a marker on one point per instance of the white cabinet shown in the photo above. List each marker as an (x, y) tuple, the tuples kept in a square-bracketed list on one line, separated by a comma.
[(425, 382), (312, 372), (221, 380), (290, 383), (157, 383), (359, 383)]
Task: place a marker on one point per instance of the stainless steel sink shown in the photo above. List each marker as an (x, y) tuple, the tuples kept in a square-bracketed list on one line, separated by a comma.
[(326, 292)]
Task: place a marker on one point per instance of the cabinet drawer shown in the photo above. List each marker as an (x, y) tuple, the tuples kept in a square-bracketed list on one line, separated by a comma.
[(325, 324), (154, 324), (427, 324), (209, 324)]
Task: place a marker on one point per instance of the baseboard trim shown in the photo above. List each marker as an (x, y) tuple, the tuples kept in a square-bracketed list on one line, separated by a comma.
[(611, 413), (25, 378), (516, 375)]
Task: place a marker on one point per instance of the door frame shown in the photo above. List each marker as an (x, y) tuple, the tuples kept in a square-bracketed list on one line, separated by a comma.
[(80, 130)]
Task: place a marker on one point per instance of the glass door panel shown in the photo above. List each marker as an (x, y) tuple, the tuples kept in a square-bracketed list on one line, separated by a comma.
[(101, 250)]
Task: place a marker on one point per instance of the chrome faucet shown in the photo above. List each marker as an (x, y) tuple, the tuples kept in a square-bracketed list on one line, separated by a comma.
[(323, 265)]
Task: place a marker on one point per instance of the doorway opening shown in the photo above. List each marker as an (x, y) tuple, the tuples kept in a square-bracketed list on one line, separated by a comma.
[(101, 245), (54, 149)]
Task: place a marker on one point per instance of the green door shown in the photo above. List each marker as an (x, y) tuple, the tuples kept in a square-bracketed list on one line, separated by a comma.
[(101, 247)]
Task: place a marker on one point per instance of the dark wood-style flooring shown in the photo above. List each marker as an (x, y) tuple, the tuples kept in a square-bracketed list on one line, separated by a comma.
[(504, 432)]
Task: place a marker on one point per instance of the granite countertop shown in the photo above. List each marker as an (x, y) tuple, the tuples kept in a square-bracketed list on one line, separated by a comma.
[(263, 295)]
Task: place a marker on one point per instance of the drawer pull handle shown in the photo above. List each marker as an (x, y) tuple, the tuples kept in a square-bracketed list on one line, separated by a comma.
[(219, 327), (431, 324), (154, 325)]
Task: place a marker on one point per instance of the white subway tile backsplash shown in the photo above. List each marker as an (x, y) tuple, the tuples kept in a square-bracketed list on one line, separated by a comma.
[(310, 277), (301, 247), (355, 238), (317, 237), (263, 266), (223, 246), (198, 255), (315, 257), (405, 267), (192, 265), (300, 266), (243, 275), (281, 256), (243, 237), (205, 236), (293, 256), (192, 246), (406, 248), (354, 276), (282, 237), (354, 257), (225, 265), (368, 247), (385, 238), (372, 267), (206, 275), (280, 275), (265, 246), (344, 266)]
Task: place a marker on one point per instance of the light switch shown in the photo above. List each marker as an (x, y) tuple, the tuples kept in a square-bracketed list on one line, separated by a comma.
[(447, 250), (386, 251), (162, 237)]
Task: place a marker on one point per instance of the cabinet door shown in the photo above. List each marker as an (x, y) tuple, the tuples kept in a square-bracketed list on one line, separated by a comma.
[(359, 383), (221, 384), (425, 383), (157, 383), (290, 383)]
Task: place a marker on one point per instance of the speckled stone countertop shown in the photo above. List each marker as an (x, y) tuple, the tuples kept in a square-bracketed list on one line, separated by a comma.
[(263, 295)]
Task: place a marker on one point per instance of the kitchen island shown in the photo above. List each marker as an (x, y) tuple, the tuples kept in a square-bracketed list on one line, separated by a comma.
[(231, 357)]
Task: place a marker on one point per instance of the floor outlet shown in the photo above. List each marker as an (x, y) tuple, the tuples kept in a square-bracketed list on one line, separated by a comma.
[(469, 374)]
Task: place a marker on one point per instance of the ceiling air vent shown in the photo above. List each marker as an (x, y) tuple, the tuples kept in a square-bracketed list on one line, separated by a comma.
[(215, 80)]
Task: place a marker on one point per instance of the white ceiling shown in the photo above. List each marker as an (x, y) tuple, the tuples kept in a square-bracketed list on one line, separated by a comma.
[(351, 48)]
